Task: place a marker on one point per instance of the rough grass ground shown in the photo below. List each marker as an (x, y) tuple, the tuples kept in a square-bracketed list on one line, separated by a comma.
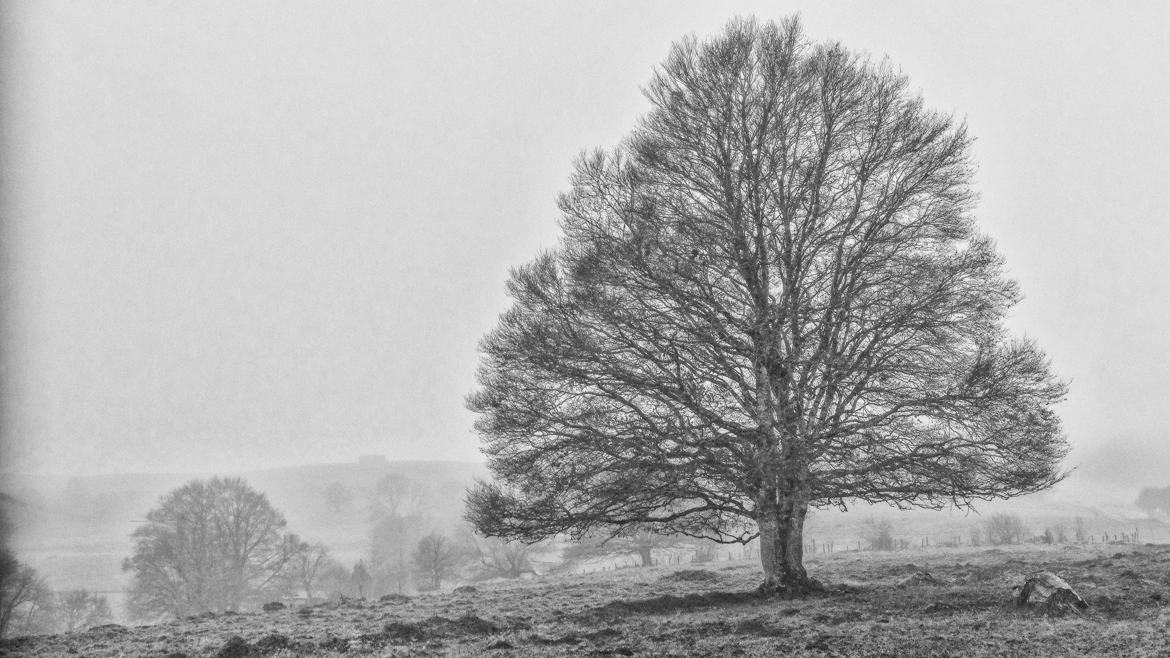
[(872, 608)]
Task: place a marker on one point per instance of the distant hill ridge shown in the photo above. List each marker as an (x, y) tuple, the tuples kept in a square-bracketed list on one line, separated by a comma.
[(77, 530), (53, 510)]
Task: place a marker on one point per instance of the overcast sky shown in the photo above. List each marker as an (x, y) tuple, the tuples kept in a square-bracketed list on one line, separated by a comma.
[(251, 234)]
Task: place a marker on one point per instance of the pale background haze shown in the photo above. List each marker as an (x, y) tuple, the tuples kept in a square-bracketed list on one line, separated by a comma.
[(246, 235)]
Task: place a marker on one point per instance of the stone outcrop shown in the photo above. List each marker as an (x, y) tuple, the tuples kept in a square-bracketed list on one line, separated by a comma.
[(1049, 591)]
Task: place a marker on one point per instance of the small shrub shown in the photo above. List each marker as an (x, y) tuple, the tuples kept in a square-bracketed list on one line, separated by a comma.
[(880, 535), (1005, 529)]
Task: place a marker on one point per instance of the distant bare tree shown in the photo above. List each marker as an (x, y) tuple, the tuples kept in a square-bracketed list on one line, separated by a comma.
[(393, 539), (305, 566), (334, 579), (638, 541), (360, 579), (880, 535), (398, 520), (772, 295), (1154, 501), (80, 609), (976, 535), (1005, 529), (436, 559), (1060, 532), (23, 594), (337, 497), (397, 496), (210, 545), (38, 616), (498, 558)]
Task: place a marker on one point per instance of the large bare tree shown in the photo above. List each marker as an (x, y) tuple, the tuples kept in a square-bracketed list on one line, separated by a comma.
[(771, 295), (210, 545)]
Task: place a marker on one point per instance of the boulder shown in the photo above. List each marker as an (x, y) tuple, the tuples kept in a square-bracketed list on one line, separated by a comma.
[(1049, 591)]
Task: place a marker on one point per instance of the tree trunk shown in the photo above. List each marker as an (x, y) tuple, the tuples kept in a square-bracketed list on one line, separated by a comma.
[(644, 553), (781, 524)]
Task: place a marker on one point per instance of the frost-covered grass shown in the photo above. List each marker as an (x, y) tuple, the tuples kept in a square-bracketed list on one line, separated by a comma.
[(713, 611)]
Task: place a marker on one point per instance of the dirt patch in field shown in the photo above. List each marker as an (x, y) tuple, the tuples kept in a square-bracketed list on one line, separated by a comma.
[(669, 604), (691, 576)]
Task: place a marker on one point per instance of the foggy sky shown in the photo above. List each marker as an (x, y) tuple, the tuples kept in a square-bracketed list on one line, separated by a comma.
[(241, 235)]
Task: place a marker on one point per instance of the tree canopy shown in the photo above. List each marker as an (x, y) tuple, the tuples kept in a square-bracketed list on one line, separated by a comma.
[(22, 593), (210, 545), (772, 294), (1154, 500)]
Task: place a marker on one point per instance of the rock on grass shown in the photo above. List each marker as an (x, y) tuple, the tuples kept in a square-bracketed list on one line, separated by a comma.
[(1050, 592)]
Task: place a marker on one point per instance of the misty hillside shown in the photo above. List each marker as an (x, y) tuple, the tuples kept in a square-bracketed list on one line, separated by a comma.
[(934, 602), (50, 510), (76, 531)]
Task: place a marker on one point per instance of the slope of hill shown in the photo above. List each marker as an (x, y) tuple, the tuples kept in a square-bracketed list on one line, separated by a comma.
[(76, 531), (1100, 513), (871, 608)]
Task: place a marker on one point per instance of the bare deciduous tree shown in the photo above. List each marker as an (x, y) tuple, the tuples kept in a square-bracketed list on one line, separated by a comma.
[(1154, 501), (337, 497), (306, 566), (436, 559), (498, 558), (360, 579), (636, 541), (80, 609), (880, 535), (1005, 529), (398, 519), (210, 545), (23, 593), (334, 579), (392, 540), (771, 296), (975, 536), (397, 496), (1060, 532)]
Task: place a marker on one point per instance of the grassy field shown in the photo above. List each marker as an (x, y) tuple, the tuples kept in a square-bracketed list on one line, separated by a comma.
[(868, 610)]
